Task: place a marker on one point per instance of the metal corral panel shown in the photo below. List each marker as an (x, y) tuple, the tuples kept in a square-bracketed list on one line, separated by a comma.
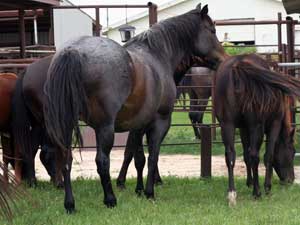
[(291, 6)]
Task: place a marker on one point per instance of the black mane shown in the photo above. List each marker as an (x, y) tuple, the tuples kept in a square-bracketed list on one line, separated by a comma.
[(165, 37)]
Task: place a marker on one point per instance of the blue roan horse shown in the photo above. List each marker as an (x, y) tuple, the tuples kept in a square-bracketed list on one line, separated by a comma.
[(115, 89)]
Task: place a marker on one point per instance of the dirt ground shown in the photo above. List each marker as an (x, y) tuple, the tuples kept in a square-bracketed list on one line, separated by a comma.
[(169, 165)]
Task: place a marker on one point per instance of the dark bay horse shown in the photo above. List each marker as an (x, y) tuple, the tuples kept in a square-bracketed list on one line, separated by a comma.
[(253, 98), (115, 89), (179, 73), (199, 96), (28, 121)]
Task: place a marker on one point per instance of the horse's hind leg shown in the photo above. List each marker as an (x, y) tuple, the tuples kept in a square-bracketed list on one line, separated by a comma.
[(29, 163), (227, 131), (194, 115), (256, 138), (132, 146), (157, 178), (272, 136), (139, 161), (64, 163), (155, 135), (105, 140), (246, 145)]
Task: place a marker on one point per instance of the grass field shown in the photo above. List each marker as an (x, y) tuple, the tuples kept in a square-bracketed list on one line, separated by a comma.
[(179, 201)]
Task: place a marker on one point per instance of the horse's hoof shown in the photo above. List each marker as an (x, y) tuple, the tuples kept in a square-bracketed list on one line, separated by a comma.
[(70, 207), (32, 183), (149, 195), (231, 198), (257, 195), (121, 185), (158, 182), (59, 185), (110, 202), (139, 192), (268, 190), (249, 183)]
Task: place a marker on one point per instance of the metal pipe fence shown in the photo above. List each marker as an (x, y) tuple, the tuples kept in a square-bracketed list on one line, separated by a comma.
[(286, 62)]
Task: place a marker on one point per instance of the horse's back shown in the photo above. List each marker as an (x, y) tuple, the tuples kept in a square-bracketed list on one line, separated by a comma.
[(106, 72), (33, 85)]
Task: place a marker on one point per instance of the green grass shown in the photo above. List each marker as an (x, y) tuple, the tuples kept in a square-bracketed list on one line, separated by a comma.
[(179, 201), (185, 134)]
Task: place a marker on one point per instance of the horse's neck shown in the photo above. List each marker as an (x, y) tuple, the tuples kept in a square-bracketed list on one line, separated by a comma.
[(183, 68), (169, 62)]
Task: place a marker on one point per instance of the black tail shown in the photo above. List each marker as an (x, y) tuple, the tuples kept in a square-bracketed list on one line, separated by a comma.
[(66, 98), (21, 122)]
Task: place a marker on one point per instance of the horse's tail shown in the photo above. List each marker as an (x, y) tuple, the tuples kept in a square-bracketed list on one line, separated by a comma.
[(287, 84), (262, 88), (9, 193), (65, 98), (21, 121)]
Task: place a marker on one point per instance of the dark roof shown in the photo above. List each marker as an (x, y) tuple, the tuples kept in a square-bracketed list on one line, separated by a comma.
[(26, 4), (291, 6)]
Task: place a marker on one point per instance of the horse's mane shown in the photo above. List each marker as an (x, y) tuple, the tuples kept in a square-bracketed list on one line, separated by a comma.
[(164, 37)]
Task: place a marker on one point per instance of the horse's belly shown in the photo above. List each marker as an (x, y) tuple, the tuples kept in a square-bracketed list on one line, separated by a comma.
[(134, 116)]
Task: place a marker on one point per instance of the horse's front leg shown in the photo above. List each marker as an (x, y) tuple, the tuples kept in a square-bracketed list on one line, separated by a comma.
[(155, 135), (227, 131), (256, 138), (272, 136), (105, 141)]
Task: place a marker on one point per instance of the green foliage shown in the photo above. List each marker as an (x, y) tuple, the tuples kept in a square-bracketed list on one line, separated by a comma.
[(232, 49), (178, 201)]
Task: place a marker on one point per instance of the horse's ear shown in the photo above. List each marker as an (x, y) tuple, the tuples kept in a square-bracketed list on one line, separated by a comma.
[(204, 10), (198, 7)]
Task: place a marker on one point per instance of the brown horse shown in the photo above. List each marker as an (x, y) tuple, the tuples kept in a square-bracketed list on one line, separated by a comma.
[(253, 98), (116, 89), (27, 121), (10, 154), (199, 94)]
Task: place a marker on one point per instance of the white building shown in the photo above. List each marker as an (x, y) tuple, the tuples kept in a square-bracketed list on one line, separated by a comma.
[(70, 23), (223, 10)]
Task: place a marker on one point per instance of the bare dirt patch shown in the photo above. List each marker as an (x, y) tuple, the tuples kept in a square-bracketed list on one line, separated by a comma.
[(180, 165)]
